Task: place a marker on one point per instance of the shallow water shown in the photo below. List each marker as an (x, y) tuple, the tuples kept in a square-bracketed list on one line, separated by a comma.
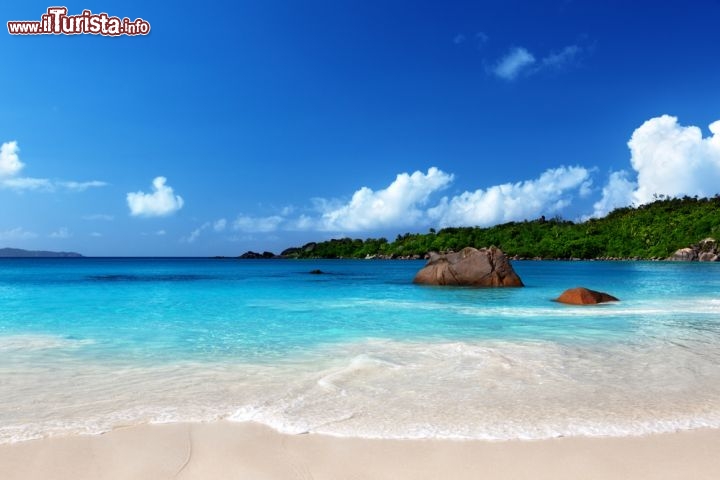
[(87, 345)]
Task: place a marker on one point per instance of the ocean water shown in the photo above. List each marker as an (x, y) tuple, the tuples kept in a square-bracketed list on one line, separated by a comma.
[(88, 345)]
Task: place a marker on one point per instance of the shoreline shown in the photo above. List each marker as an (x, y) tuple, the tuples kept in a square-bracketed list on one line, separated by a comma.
[(514, 258), (416, 258), (248, 450)]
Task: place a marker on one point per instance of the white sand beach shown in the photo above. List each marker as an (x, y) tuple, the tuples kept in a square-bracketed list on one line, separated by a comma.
[(223, 450)]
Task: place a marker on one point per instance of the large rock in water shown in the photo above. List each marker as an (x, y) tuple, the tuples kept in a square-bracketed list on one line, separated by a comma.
[(487, 267), (584, 296)]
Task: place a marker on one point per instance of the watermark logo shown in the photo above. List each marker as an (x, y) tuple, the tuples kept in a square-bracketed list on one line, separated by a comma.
[(57, 22)]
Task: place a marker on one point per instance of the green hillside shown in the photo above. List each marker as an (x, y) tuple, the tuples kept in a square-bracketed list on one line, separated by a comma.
[(654, 230)]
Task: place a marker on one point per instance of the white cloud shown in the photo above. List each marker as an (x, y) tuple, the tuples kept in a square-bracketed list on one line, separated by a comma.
[(80, 186), (407, 202), (399, 204), (162, 201), (96, 234), (458, 39), (303, 222), (10, 163), (617, 193), (61, 233), (396, 206), (586, 189), (219, 225), (246, 223), (520, 61), (28, 183), (196, 233), (160, 233), (562, 58), (674, 160), (46, 185), (17, 233), (668, 159), (513, 63), (549, 193)]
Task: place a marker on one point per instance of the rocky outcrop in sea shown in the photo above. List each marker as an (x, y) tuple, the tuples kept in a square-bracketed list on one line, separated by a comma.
[(487, 267)]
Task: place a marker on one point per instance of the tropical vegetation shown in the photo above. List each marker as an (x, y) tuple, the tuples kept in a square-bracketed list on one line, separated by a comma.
[(653, 230)]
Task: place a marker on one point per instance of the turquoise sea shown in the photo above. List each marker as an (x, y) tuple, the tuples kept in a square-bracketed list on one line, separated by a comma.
[(92, 344)]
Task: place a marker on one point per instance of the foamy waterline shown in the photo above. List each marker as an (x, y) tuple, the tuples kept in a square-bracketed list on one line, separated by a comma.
[(375, 388), (86, 347)]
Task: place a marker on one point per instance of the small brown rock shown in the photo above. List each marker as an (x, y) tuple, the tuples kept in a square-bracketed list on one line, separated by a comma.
[(584, 296)]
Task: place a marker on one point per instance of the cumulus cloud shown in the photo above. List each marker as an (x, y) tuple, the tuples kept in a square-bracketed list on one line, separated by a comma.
[(396, 206), (517, 60), (617, 193), (161, 202), (675, 160), (667, 159), (10, 163), (586, 188), (406, 202), (549, 193), (17, 233)]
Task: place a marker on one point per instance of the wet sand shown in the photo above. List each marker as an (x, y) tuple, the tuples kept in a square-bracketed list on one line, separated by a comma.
[(223, 450)]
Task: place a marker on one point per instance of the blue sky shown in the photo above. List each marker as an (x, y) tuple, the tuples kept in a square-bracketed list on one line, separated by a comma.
[(263, 125)]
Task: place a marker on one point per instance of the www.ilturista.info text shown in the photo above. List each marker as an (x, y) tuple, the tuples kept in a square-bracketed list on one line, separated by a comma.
[(57, 22)]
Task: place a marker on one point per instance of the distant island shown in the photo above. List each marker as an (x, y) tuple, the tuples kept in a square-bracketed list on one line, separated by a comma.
[(652, 231), (20, 253)]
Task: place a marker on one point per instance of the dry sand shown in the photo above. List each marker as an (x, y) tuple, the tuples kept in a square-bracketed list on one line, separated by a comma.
[(248, 451)]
